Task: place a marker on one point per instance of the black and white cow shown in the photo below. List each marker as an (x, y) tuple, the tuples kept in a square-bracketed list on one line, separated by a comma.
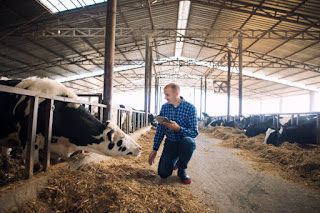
[(251, 120), (305, 133), (74, 128), (206, 119), (256, 129)]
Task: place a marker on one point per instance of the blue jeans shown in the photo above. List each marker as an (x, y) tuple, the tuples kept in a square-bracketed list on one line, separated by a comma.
[(174, 151)]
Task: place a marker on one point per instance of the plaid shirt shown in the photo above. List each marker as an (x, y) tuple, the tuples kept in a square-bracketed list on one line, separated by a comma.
[(185, 115)]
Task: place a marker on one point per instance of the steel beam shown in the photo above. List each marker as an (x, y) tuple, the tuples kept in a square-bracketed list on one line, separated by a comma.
[(262, 59), (31, 135), (240, 75), (205, 94), (228, 85), (200, 98), (66, 32), (147, 78), (264, 11), (109, 57)]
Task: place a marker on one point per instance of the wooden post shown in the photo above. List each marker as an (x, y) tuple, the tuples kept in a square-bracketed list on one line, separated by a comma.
[(109, 57), (32, 131)]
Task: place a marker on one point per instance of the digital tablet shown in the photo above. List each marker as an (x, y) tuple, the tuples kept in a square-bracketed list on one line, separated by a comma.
[(161, 119)]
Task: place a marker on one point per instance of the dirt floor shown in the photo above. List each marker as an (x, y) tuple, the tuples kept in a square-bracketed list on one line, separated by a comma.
[(116, 185)]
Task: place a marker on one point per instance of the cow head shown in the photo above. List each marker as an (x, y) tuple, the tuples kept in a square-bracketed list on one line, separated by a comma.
[(273, 136), (114, 142)]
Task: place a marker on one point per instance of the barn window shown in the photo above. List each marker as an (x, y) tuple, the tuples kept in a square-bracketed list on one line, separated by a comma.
[(56, 6)]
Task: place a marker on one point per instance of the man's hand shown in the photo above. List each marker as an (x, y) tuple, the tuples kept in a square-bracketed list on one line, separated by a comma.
[(172, 125), (152, 156)]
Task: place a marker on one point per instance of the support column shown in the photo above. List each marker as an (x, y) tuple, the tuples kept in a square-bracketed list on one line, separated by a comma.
[(240, 75), (109, 57), (281, 105), (194, 96), (156, 93), (150, 78), (201, 99), (146, 78), (160, 98), (312, 104), (228, 85), (205, 94)]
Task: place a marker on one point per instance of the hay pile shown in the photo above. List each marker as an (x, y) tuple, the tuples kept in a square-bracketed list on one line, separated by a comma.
[(14, 171), (291, 161), (117, 185)]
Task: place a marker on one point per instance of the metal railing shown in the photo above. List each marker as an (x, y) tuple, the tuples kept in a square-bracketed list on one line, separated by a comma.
[(49, 113), (276, 119)]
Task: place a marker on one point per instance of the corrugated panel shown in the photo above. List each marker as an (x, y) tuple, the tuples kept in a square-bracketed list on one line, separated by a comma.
[(298, 75), (309, 54), (201, 16), (290, 48)]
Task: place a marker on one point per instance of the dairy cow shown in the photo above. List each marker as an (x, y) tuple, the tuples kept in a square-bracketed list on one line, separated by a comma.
[(74, 128), (304, 133), (256, 129), (206, 119)]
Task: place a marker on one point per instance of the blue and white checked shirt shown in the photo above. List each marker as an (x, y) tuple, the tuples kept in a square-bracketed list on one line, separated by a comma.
[(185, 115)]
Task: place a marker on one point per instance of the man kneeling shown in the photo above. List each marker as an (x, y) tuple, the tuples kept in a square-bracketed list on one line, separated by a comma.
[(180, 131)]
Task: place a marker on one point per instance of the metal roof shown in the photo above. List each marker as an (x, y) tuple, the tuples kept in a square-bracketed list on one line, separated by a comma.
[(281, 43)]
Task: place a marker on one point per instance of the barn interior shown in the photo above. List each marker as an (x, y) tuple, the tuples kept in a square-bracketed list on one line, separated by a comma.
[(274, 45), (270, 47)]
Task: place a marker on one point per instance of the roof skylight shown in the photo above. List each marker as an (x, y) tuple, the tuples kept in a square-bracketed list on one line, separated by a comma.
[(56, 6), (184, 8)]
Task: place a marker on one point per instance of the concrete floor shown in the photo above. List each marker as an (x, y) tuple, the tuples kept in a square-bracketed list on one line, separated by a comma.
[(229, 184)]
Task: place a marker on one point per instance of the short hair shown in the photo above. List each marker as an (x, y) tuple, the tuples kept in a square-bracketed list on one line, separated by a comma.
[(174, 87)]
